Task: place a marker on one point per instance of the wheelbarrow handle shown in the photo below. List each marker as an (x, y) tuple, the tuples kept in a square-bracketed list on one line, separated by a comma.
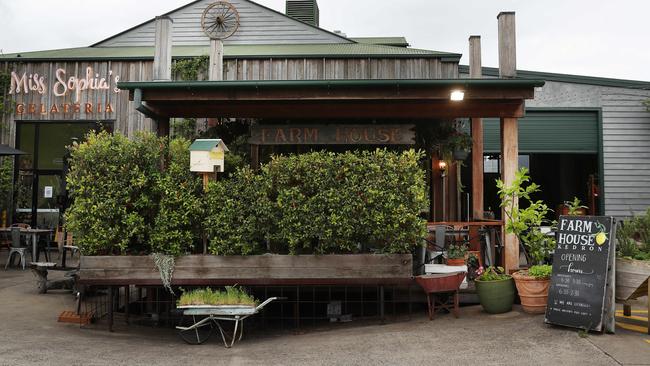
[(262, 305)]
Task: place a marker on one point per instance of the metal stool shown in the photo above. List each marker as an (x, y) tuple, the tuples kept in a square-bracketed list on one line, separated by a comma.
[(17, 248)]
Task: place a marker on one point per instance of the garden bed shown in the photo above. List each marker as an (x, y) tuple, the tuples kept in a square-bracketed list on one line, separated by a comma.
[(200, 270), (631, 278)]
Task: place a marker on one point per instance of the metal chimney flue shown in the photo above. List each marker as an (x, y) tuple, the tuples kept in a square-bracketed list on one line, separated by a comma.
[(507, 45), (162, 59)]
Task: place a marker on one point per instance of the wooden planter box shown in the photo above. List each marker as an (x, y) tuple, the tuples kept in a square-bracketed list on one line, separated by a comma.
[(631, 278), (200, 270)]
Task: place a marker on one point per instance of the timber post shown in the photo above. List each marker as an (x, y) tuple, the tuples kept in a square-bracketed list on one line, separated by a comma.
[(509, 130), (475, 72), (162, 62)]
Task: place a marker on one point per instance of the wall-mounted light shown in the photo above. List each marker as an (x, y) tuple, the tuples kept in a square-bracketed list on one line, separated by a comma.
[(442, 165), (457, 95)]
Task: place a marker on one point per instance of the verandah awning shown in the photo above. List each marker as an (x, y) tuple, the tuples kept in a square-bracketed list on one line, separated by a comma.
[(306, 99)]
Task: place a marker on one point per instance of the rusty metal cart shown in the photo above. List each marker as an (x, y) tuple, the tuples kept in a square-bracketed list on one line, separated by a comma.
[(198, 320), (439, 284)]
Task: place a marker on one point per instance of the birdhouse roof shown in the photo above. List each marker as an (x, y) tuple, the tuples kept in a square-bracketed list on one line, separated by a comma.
[(207, 145)]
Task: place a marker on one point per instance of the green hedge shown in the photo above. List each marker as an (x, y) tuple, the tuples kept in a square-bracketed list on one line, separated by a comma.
[(321, 202), (130, 192)]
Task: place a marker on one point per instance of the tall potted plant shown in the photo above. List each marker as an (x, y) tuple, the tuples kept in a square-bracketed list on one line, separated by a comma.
[(533, 283), (495, 290)]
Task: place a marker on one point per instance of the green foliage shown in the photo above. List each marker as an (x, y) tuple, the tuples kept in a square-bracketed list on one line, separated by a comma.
[(6, 180), (647, 104), (456, 251), (232, 295), (321, 202), (123, 194), (239, 214), (180, 207), (492, 274), (6, 103), (184, 128), (525, 222), (633, 237), (190, 69), (540, 271), (574, 206)]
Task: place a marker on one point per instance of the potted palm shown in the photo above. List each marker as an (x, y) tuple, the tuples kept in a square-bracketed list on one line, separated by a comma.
[(495, 289), (532, 283)]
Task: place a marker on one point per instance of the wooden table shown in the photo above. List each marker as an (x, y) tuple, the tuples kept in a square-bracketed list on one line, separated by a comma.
[(34, 233)]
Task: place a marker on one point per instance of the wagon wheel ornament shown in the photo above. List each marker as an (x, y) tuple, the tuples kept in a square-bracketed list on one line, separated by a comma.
[(220, 20)]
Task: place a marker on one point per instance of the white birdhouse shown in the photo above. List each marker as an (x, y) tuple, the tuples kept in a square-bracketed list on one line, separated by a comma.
[(207, 155)]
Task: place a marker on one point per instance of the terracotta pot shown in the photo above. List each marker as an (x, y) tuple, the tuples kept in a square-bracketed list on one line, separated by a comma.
[(533, 292), (455, 261)]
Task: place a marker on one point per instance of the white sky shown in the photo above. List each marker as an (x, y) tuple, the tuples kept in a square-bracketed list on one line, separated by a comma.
[(585, 37)]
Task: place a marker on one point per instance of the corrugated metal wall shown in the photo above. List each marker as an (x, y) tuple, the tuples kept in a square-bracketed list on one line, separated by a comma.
[(258, 25), (626, 144), (549, 132)]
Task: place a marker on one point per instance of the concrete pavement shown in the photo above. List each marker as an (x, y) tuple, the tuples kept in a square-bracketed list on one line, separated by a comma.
[(30, 335)]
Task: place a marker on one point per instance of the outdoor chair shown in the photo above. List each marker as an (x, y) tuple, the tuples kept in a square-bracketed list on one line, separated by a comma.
[(45, 246), (17, 248)]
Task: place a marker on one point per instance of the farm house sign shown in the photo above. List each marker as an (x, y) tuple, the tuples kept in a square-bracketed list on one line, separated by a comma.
[(60, 86), (343, 134)]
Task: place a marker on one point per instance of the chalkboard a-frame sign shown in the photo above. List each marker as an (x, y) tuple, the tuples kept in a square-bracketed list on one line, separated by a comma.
[(582, 286)]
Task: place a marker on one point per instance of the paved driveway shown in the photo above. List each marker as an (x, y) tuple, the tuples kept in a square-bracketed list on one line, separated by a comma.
[(30, 335)]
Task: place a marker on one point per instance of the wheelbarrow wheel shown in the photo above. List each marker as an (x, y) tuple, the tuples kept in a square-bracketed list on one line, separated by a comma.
[(197, 335)]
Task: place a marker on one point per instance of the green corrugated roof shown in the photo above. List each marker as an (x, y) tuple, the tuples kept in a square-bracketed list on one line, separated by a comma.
[(233, 51), (256, 84), (206, 144), (565, 78), (385, 41)]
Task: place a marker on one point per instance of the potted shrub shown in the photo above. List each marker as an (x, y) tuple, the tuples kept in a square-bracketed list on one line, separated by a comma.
[(495, 289), (632, 256), (533, 283), (460, 144), (456, 255), (572, 208)]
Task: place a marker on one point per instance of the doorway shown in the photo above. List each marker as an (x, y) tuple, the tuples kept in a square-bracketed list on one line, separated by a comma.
[(39, 177)]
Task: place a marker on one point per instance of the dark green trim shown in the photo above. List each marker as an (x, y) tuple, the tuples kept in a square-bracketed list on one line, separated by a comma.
[(601, 163), (442, 57), (565, 78), (459, 83)]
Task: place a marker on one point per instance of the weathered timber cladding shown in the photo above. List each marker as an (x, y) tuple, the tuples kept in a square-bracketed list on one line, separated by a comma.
[(258, 25), (47, 106), (214, 269), (127, 120), (349, 68)]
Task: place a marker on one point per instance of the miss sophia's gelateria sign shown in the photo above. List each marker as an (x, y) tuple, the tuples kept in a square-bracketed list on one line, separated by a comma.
[(60, 86)]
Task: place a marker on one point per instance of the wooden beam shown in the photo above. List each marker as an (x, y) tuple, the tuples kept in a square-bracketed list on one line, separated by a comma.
[(475, 71), (215, 71), (162, 60), (509, 165), (338, 109), (335, 93), (507, 45)]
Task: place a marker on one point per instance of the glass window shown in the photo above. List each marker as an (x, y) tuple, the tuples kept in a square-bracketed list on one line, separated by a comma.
[(53, 139), (26, 136)]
